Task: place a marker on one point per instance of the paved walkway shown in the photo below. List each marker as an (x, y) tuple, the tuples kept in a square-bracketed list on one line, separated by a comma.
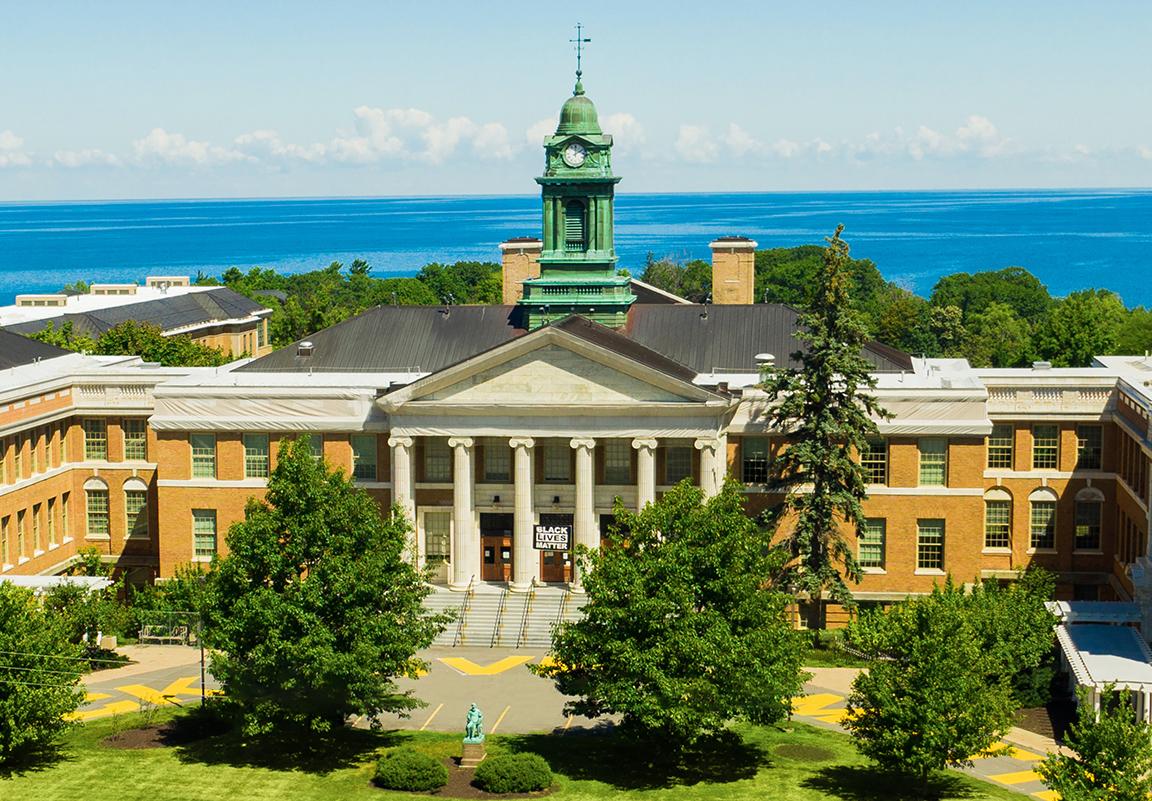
[(513, 699)]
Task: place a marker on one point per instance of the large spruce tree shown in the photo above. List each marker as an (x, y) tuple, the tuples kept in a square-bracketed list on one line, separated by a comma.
[(826, 410)]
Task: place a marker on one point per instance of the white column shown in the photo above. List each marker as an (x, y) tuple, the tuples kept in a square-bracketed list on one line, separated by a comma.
[(465, 543), (402, 489), (586, 530), (708, 448), (645, 472), (525, 559)]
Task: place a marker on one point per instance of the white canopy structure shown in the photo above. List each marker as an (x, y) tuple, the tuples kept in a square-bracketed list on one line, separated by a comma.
[(1098, 655)]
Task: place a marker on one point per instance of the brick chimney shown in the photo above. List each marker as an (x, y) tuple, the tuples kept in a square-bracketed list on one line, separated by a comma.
[(733, 270), (520, 258)]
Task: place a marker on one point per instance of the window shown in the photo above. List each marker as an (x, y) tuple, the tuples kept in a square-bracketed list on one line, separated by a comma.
[(37, 545), (315, 445), (3, 461), (97, 513), (1043, 525), (872, 535), (260, 334), (21, 544), (255, 456), (930, 544), (52, 523), (933, 462), (497, 461), (203, 533), (63, 443), (18, 458), (558, 463), (96, 440), (1088, 440), (1000, 447), (677, 463), (5, 546), (874, 461), (1045, 447), (65, 525), (997, 524), (364, 457), (136, 512), (135, 440), (437, 535), (617, 462), (574, 226), (203, 455), (34, 451), (437, 460), (754, 460), (1088, 525)]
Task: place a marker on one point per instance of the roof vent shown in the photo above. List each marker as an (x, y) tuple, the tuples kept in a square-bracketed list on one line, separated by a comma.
[(1041, 365), (304, 348), (765, 358)]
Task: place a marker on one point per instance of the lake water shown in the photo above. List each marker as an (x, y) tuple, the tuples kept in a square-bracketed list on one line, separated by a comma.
[(1070, 239)]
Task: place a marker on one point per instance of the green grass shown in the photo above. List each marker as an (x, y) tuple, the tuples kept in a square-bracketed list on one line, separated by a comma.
[(760, 763)]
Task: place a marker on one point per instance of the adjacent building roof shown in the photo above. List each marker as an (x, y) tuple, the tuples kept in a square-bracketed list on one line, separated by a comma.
[(425, 339), (16, 350), (174, 313), (1100, 655)]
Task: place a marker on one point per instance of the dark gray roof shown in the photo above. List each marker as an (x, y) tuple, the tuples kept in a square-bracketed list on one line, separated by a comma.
[(170, 313), (697, 338), (16, 350), (646, 293)]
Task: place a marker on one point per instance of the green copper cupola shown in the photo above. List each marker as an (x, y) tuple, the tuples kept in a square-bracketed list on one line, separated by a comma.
[(578, 261)]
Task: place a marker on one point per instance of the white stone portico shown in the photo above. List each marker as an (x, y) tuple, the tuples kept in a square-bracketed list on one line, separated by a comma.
[(553, 385)]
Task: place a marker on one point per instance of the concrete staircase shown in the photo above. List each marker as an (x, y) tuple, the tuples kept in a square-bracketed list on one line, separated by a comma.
[(489, 616)]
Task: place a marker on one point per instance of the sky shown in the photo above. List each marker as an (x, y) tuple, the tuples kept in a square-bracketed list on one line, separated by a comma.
[(122, 99)]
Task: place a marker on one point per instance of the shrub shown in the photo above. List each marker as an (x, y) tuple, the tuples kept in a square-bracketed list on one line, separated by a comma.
[(513, 773), (409, 769)]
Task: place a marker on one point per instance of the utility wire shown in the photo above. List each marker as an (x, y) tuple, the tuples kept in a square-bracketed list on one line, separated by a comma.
[(61, 656)]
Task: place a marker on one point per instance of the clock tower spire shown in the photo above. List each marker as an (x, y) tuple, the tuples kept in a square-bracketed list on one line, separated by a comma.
[(578, 261)]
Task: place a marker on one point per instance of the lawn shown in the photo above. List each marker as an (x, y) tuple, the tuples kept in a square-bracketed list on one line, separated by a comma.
[(761, 763)]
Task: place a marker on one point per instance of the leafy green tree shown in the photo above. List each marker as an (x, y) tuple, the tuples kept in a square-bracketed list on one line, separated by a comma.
[(973, 293), (38, 685), (902, 321), (1084, 324), (315, 611), (1135, 335), (78, 287), (148, 341), (1110, 757), (946, 324), (997, 337), (464, 281), (691, 281), (64, 337), (683, 630), (933, 700), (827, 410), (785, 275)]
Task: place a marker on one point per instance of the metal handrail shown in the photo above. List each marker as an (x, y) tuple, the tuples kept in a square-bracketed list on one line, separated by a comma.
[(499, 616), (464, 610), (523, 635), (563, 606)]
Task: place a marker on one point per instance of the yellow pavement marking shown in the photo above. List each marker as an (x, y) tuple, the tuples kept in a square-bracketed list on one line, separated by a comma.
[(567, 721), (470, 668), (1009, 750), (833, 715), (1047, 795), (500, 719), (183, 686), (1017, 777), (815, 704), (435, 712), (114, 708), (145, 694), (89, 697)]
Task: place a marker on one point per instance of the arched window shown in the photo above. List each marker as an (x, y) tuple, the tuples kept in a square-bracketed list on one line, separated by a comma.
[(997, 519), (575, 226), (96, 495), (1089, 503), (136, 508), (1042, 519)]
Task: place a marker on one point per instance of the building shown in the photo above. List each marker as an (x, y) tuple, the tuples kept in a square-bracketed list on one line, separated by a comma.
[(506, 433), (211, 315)]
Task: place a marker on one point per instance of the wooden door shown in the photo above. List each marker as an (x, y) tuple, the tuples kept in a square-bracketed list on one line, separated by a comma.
[(555, 566), (496, 558)]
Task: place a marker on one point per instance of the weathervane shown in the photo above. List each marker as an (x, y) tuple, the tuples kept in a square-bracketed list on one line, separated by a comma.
[(579, 41)]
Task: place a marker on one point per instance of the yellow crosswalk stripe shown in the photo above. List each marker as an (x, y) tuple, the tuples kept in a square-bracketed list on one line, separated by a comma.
[(114, 708), (1017, 777), (470, 668), (1009, 750), (1047, 795), (809, 705), (145, 694), (183, 686), (90, 697)]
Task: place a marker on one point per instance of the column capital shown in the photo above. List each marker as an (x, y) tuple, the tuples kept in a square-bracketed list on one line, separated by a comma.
[(403, 442), (712, 443), (521, 442), (581, 442), (461, 442), (645, 444)]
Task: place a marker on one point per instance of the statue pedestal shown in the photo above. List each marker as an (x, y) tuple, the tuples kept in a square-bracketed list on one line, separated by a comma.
[(473, 755)]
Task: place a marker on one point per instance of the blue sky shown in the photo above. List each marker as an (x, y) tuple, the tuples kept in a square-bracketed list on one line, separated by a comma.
[(244, 99)]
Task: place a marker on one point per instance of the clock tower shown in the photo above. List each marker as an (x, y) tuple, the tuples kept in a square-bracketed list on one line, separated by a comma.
[(578, 261)]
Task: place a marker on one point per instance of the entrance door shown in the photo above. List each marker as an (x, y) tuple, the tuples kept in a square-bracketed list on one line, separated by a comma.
[(556, 566), (496, 547)]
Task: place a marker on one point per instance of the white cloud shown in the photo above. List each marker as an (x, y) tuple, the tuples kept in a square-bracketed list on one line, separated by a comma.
[(89, 157), (12, 151), (1145, 153), (268, 146), (740, 142), (413, 134), (695, 143), (627, 133), (540, 130), (160, 146)]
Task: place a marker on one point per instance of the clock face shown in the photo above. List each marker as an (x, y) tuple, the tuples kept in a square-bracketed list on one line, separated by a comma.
[(575, 154)]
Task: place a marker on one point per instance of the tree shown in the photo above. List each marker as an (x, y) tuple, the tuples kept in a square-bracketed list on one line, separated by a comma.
[(786, 275), (39, 674), (1111, 753), (931, 699), (315, 611), (691, 281), (826, 409), (1135, 335), (975, 292), (148, 341), (683, 629), (64, 337), (1080, 326), (997, 337)]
